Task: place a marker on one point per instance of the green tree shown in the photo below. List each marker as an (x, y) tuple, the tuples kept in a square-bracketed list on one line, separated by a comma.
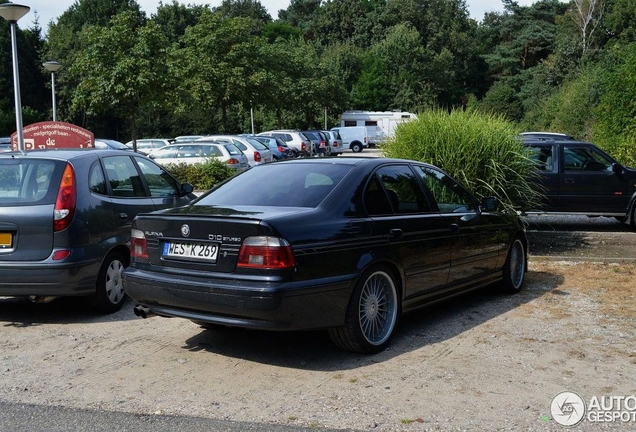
[(218, 65), (117, 69), (244, 8)]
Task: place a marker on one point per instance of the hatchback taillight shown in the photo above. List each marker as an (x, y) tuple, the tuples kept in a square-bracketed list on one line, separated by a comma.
[(266, 253), (66, 199), (335, 143), (303, 146), (233, 161), (138, 244), (257, 156), (281, 149)]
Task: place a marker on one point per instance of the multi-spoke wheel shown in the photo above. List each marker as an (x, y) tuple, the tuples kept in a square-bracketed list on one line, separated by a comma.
[(514, 270), (371, 315), (109, 294)]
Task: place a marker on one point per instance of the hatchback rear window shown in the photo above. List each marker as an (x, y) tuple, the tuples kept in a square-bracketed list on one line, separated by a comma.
[(31, 181), (288, 185)]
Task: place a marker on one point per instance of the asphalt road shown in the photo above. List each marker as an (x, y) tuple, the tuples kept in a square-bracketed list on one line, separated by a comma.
[(34, 418)]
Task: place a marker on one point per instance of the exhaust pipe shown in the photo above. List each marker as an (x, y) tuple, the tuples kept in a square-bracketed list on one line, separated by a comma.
[(143, 311)]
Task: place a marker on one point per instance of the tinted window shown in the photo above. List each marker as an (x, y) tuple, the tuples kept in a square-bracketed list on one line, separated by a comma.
[(123, 177), (28, 181), (96, 180), (543, 157), (448, 194), (189, 151), (302, 185), (403, 189), (211, 151), (585, 159), (160, 183)]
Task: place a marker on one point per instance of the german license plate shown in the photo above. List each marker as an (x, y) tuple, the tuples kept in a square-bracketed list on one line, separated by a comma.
[(6, 240), (197, 251)]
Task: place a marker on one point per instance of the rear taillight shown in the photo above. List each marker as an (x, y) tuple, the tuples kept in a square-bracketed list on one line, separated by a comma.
[(65, 202), (138, 244), (266, 252), (233, 161), (257, 156), (335, 143), (303, 146), (281, 149)]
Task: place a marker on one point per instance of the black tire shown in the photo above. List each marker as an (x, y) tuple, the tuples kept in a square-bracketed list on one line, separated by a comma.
[(514, 269), (109, 293), (372, 313), (356, 147)]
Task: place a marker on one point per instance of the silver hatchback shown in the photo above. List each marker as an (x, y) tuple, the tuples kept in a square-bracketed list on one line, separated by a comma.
[(257, 153)]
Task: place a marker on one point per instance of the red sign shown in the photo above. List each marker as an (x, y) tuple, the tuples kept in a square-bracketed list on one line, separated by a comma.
[(53, 135)]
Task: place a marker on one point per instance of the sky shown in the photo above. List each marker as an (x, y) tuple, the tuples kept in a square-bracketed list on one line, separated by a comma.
[(49, 10)]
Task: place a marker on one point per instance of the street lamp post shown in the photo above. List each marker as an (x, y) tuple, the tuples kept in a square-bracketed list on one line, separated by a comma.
[(52, 66), (13, 12)]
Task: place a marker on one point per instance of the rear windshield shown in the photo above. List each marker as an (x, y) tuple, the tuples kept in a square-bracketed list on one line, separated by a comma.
[(256, 144), (31, 181), (279, 185)]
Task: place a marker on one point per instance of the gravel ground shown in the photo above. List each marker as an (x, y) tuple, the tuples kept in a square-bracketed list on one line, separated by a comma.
[(483, 362)]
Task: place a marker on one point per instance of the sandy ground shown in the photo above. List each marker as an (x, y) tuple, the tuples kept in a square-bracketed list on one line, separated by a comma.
[(484, 362)]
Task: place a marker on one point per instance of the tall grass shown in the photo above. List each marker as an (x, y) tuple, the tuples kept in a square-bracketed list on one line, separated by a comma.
[(479, 150)]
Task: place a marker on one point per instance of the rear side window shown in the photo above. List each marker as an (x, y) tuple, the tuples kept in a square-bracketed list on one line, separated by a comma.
[(32, 181), (96, 180), (403, 189), (257, 144), (233, 150), (123, 178)]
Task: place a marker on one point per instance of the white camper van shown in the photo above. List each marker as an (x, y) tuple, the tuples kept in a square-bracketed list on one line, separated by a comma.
[(353, 137), (380, 125)]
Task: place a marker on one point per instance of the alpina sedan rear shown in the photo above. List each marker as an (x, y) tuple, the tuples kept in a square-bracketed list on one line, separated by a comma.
[(346, 245)]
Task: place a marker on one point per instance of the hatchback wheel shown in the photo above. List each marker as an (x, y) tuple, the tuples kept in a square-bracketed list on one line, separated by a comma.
[(371, 315), (514, 270), (109, 294)]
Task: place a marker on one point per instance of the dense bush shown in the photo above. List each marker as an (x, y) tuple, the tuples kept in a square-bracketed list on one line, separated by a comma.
[(479, 150), (202, 176)]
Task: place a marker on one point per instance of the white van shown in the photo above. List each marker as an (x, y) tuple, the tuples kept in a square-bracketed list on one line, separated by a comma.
[(353, 137), (380, 124)]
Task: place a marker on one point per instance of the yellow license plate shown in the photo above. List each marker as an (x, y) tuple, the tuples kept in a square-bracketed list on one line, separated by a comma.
[(6, 240)]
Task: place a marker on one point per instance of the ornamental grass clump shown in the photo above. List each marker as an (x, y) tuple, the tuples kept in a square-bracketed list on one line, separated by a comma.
[(479, 150)]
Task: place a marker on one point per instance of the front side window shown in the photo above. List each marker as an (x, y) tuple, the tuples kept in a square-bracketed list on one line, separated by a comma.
[(447, 193), (160, 183), (585, 159)]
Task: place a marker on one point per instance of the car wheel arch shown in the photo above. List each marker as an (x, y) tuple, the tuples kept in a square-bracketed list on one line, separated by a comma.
[(396, 271)]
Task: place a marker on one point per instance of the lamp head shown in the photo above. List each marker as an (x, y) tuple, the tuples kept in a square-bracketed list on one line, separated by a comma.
[(13, 12), (52, 66)]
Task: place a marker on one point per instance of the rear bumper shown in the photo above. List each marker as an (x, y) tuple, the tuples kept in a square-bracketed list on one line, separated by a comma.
[(48, 279), (250, 304)]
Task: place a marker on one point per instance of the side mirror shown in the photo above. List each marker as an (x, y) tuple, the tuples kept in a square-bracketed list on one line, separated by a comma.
[(186, 188), (617, 168), (489, 204)]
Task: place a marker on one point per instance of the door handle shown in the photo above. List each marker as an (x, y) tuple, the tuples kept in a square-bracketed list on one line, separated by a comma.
[(569, 180), (395, 232), (454, 228)]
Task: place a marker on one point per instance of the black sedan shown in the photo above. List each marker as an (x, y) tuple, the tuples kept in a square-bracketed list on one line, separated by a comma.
[(346, 245)]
